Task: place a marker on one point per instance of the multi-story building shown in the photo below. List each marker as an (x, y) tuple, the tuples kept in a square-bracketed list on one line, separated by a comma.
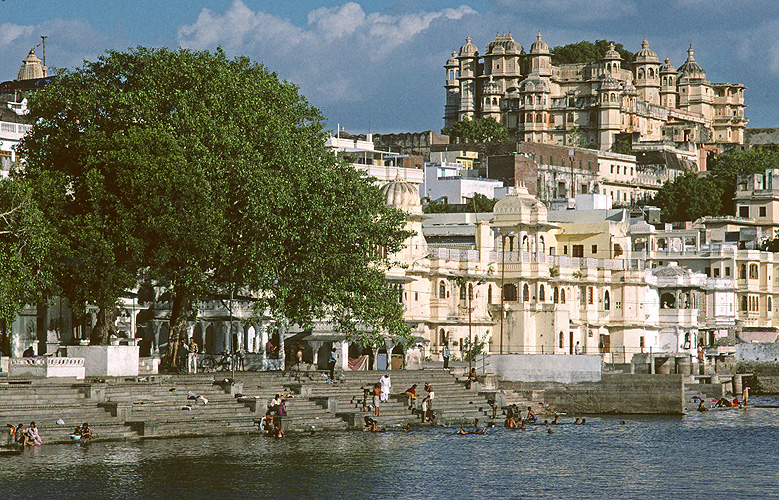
[(14, 123), (605, 100)]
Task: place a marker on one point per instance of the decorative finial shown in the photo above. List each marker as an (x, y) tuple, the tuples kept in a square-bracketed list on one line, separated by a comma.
[(467, 39), (538, 37), (645, 44)]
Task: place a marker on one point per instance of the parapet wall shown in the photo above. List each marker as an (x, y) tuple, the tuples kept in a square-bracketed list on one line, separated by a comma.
[(567, 369), (620, 394), (764, 352)]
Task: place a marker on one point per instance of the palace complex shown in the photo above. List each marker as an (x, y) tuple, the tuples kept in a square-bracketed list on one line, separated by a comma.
[(534, 276), (643, 100)]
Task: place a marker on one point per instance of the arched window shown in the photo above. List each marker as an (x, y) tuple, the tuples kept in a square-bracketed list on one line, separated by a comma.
[(441, 336), (556, 295), (525, 293), (525, 243), (511, 243), (668, 301), (744, 303), (462, 292), (640, 73), (742, 272), (562, 340), (651, 73), (541, 293), (606, 300), (562, 295), (665, 80), (768, 305), (442, 290), (538, 118), (510, 292), (489, 294), (541, 247), (753, 271)]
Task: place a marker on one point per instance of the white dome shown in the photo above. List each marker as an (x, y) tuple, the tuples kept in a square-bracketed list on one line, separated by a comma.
[(402, 195)]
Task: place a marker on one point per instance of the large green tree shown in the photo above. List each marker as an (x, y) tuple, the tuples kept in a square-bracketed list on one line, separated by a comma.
[(210, 175), (585, 52), (477, 130), (27, 242), (688, 197), (726, 168)]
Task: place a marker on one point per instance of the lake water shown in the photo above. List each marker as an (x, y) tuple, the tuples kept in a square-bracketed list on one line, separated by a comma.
[(717, 454)]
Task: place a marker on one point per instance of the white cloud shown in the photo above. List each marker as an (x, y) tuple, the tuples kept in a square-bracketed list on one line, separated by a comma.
[(346, 27), (763, 44), (337, 22), (12, 32), (338, 56)]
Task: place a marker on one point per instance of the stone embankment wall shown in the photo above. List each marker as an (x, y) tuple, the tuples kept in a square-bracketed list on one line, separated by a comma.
[(620, 394), (566, 369), (761, 360)]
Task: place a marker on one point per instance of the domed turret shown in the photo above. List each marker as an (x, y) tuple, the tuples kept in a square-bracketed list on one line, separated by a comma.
[(610, 83), (503, 44), (402, 195), (667, 67), (519, 207), (31, 68), (691, 69), (611, 62), (468, 49), (540, 58), (611, 54), (539, 46), (452, 61), (668, 96), (534, 83), (646, 55)]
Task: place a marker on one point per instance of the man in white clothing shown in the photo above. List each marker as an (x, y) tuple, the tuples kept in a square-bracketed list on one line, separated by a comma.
[(386, 385)]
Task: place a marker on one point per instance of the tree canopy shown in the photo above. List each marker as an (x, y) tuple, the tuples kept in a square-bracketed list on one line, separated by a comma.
[(478, 130), (691, 196), (688, 197), (585, 52), (726, 168), (209, 175), (26, 244), (478, 203)]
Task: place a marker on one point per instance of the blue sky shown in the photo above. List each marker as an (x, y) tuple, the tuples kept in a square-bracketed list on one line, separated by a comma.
[(378, 64)]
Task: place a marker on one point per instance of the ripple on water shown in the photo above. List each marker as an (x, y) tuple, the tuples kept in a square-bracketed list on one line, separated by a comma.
[(727, 452)]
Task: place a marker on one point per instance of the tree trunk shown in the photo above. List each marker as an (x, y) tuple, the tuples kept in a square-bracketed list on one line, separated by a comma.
[(181, 312), (105, 325)]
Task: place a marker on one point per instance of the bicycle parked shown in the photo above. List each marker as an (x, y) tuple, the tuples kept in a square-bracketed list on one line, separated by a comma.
[(216, 362)]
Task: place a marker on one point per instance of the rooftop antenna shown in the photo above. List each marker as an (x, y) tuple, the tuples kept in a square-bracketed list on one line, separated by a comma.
[(43, 42)]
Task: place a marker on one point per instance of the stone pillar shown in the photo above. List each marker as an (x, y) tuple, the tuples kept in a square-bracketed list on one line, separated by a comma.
[(263, 339), (389, 345), (251, 343), (738, 386), (341, 355), (315, 346), (282, 352)]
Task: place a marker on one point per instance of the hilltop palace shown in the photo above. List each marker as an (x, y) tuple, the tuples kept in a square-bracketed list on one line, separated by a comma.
[(610, 99)]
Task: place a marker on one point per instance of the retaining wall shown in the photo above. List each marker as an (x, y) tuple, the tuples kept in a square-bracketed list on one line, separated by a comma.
[(620, 394), (764, 352), (563, 368)]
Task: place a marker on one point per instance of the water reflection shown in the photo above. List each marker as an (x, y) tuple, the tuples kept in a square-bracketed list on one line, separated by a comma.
[(729, 452)]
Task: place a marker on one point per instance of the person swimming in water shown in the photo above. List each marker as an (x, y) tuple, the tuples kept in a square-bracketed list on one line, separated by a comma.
[(702, 407)]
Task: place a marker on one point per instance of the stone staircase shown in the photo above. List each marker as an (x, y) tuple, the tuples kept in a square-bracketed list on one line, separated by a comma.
[(45, 404), (158, 406), (453, 403)]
